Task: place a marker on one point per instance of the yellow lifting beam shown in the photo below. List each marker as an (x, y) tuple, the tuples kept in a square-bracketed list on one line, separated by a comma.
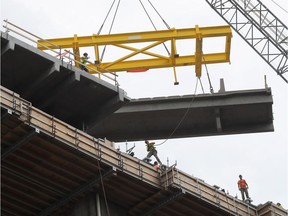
[(153, 39)]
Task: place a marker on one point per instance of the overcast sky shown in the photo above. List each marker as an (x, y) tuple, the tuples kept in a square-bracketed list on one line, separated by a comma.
[(261, 158)]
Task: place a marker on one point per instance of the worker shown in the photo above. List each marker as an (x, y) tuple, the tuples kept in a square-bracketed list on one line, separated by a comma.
[(84, 60), (156, 166), (243, 187), (151, 151)]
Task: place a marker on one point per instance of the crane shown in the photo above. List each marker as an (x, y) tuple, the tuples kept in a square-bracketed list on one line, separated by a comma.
[(260, 28)]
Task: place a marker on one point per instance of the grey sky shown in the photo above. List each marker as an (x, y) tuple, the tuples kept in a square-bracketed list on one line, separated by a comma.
[(261, 158)]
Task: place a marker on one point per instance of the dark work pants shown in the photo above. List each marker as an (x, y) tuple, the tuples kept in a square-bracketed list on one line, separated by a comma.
[(154, 153), (244, 190)]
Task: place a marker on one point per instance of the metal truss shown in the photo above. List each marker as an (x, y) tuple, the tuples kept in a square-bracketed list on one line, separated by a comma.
[(260, 28), (148, 41)]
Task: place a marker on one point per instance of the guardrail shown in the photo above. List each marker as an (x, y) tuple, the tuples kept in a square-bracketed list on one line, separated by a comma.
[(213, 195), (65, 55), (101, 149)]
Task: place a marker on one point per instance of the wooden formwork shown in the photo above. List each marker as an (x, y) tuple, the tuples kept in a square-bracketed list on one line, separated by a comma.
[(177, 178), (270, 209), (103, 149)]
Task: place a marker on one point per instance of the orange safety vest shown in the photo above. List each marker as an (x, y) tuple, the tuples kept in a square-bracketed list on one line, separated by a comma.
[(242, 183)]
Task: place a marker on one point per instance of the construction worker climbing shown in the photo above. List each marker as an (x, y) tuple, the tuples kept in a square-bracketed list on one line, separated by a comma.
[(84, 60), (151, 151)]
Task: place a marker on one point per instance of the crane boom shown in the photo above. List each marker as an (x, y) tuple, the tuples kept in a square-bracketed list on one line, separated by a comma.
[(260, 28)]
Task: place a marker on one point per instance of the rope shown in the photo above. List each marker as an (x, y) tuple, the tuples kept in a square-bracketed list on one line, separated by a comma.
[(103, 189), (183, 117)]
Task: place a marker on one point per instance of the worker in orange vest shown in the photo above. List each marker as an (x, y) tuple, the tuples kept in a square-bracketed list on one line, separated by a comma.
[(243, 187)]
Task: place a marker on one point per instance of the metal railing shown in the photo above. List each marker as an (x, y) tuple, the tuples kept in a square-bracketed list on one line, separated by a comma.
[(63, 54)]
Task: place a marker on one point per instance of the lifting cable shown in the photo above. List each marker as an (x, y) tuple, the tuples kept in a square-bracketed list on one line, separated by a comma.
[(207, 72), (153, 23), (100, 29), (168, 27), (201, 85), (148, 15), (104, 49), (105, 18), (184, 116)]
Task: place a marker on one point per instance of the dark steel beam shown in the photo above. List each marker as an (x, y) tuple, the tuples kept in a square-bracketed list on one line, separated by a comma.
[(32, 181), (65, 155), (18, 144), (25, 172), (19, 199), (55, 168), (164, 202), (81, 189)]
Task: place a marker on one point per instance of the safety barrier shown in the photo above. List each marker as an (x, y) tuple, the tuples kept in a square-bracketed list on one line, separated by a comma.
[(101, 149), (213, 195)]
